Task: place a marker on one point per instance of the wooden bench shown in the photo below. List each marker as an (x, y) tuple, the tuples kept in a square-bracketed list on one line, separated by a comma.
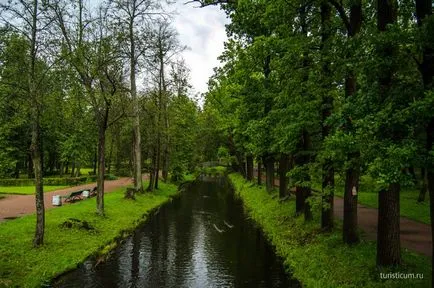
[(74, 196), (77, 195)]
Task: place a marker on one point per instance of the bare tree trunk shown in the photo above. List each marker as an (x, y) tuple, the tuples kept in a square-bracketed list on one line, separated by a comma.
[(388, 237), (137, 159), (101, 164), (328, 181), (151, 185), (388, 241), (350, 234), (269, 172), (35, 147)]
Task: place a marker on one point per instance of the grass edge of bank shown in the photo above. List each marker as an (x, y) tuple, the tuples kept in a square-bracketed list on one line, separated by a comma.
[(319, 259), (65, 248)]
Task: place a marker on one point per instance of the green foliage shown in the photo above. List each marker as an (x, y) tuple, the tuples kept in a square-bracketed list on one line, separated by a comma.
[(25, 266), (317, 259)]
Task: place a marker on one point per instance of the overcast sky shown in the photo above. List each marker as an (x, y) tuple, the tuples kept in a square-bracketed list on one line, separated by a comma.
[(203, 31)]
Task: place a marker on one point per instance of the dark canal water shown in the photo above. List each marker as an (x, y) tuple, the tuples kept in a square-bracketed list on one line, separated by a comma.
[(203, 239)]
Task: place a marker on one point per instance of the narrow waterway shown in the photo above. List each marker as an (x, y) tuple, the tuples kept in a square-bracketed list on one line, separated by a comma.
[(203, 239)]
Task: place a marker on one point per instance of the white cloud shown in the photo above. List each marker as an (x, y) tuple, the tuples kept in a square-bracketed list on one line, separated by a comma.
[(203, 31)]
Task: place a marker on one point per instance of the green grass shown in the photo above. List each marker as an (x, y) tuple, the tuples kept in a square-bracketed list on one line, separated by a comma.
[(409, 207), (27, 190), (22, 265), (321, 259)]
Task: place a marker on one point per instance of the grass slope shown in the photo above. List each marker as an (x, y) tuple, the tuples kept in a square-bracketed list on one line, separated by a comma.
[(318, 259), (27, 190), (22, 265)]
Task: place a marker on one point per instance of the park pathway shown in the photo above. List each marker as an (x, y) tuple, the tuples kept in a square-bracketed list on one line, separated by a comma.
[(415, 236), (14, 206)]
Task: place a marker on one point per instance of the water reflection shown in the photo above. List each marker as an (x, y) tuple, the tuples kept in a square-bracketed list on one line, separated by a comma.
[(201, 240)]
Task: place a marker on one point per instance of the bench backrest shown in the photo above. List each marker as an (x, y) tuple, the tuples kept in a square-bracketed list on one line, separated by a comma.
[(75, 193)]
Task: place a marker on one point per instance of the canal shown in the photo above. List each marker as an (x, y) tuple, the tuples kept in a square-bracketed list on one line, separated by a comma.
[(202, 239)]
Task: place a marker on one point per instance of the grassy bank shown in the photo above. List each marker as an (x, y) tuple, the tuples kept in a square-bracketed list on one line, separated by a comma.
[(27, 190), (22, 265), (317, 259)]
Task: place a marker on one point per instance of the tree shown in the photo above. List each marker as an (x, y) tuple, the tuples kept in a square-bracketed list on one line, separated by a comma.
[(134, 17), (95, 57), (164, 46), (26, 18)]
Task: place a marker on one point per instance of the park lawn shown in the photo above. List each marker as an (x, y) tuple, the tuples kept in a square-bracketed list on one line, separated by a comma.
[(27, 190), (409, 207), (22, 265), (319, 259)]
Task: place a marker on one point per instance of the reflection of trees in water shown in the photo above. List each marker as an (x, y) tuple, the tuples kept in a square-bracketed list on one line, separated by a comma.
[(179, 247)]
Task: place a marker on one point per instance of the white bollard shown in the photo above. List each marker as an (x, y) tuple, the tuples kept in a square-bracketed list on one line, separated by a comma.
[(57, 201)]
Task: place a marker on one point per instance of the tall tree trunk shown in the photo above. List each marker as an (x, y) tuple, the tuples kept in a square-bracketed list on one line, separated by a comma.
[(303, 193), (259, 172), (39, 193), (426, 68), (283, 170), (152, 169), (101, 163), (249, 161), (137, 159), (35, 147), (388, 238), (328, 181), (299, 200), (269, 172), (352, 174)]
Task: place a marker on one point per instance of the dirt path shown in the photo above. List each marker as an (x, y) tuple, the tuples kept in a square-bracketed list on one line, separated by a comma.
[(18, 205), (415, 236)]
